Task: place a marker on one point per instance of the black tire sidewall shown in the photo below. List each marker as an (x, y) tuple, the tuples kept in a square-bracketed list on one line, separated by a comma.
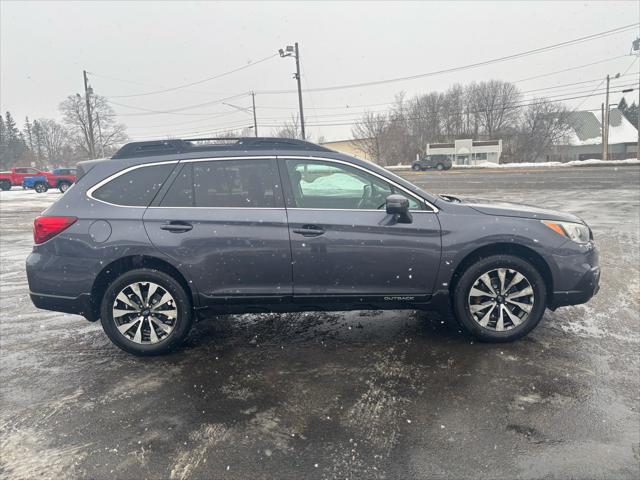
[(63, 186), (440, 167), (416, 168), (40, 188), (4, 186), (463, 286), (183, 304)]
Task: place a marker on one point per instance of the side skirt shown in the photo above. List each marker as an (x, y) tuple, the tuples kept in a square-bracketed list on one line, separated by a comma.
[(309, 303)]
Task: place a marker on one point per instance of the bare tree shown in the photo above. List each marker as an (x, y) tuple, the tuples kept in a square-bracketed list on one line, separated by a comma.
[(369, 135), (107, 133), (453, 112), (495, 105), (425, 119), (55, 139), (544, 124), (290, 129)]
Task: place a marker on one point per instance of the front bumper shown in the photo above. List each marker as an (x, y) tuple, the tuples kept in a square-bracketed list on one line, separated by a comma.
[(586, 288), (576, 274)]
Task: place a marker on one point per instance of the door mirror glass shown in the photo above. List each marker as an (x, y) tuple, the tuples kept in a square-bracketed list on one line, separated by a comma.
[(398, 206)]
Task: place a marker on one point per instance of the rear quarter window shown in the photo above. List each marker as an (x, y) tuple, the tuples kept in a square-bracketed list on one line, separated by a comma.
[(135, 188)]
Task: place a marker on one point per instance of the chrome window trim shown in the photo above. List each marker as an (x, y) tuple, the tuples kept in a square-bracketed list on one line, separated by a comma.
[(352, 210), (118, 174), (90, 192), (420, 199), (433, 208), (224, 208)]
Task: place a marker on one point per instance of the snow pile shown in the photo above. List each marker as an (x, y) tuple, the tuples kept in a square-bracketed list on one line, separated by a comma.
[(574, 163)]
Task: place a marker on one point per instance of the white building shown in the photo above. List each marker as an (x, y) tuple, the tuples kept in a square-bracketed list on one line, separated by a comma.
[(468, 151)]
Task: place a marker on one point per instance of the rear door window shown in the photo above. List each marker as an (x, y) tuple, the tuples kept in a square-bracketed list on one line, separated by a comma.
[(135, 188), (226, 184)]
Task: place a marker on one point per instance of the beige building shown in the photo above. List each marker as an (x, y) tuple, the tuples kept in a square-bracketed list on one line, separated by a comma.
[(349, 147)]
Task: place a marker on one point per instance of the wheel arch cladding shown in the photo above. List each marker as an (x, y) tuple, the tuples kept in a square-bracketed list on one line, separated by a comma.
[(514, 249), (122, 265)]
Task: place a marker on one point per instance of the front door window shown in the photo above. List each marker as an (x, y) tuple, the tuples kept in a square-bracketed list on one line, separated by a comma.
[(328, 185)]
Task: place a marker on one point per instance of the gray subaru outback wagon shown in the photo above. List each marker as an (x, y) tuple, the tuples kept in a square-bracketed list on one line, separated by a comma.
[(167, 232)]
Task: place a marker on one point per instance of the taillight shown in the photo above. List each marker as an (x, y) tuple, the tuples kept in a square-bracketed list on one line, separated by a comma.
[(45, 228)]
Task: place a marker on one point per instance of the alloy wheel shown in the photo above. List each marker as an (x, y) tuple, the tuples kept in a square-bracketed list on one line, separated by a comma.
[(501, 299), (145, 312)]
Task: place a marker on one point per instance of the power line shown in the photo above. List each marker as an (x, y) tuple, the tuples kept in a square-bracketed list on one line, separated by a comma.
[(349, 107), (211, 131), (603, 80), (156, 112), (177, 111), (466, 67), (423, 117), (354, 120), (191, 84), (548, 98)]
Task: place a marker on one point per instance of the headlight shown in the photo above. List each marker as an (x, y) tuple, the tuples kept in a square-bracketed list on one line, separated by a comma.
[(577, 232)]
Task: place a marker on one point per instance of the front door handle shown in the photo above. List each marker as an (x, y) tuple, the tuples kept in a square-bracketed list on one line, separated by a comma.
[(309, 231), (176, 227)]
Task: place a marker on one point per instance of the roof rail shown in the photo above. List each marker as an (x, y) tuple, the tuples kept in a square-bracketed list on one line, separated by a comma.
[(174, 146)]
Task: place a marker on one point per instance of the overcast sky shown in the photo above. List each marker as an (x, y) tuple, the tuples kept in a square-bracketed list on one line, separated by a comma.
[(139, 47)]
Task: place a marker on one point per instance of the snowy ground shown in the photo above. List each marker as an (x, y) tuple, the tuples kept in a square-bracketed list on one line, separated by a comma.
[(358, 395)]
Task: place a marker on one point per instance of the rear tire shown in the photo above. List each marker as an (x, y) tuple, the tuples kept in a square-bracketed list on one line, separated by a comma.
[(63, 186), (5, 185), (440, 167), (512, 309), (40, 187), (160, 312), (415, 167)]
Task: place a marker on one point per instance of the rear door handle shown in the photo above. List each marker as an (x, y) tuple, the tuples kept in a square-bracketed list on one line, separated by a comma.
[(309, 231), (176, 227)]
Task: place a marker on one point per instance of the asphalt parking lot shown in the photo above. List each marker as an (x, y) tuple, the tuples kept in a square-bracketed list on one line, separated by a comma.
[(370, 395)]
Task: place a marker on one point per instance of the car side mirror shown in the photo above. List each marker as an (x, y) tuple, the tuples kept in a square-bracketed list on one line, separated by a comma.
[(398, 206)]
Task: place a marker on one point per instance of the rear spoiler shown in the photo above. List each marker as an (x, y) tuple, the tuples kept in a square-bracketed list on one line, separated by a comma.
[(84, 167)]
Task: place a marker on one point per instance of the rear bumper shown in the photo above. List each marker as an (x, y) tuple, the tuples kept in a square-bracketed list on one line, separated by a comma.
[(80, 305), (62, 283)]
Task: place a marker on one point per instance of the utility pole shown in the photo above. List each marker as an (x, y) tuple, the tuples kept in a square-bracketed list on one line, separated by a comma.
[(605, 125), (635, 47), (255, 120), (299, 91), (294, 51), (602, 131), (87, 89), (100, 136), (607, 116)]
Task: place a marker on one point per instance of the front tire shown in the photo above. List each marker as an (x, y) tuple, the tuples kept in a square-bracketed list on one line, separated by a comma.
[(5, 185), (63, 186), (500, 298), (440, 167), (415, 167), (146, 312)]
